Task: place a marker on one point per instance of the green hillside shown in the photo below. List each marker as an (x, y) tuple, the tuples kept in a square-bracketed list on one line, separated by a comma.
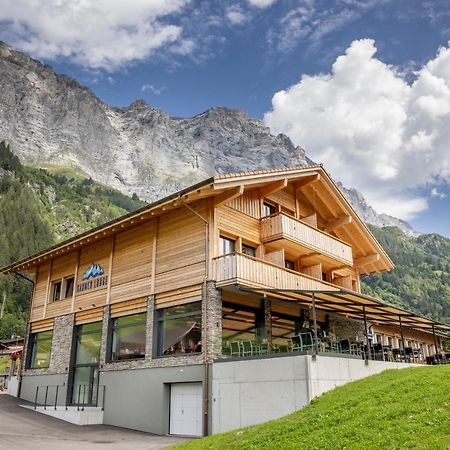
[(37, 209), (421, 279), (41, 207), (398, 409)]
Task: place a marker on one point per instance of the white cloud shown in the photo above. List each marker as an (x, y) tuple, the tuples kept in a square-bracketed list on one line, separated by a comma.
[(152, 88), (236, 15), (262, 3), (371, 128), (99, 34), (438, 194)]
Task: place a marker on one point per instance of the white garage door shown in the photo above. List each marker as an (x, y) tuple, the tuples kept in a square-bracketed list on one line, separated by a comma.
[(186, 409)]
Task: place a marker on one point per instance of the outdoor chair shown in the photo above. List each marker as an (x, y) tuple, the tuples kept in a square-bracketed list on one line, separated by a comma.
[(307, 342), (247, 348), (296, 343), (235, 348), (263, 349)]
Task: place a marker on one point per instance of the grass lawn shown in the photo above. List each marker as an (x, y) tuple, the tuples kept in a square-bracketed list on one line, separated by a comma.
[(407, 408)]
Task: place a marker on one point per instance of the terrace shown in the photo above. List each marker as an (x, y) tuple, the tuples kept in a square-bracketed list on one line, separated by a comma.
[(302, 312)]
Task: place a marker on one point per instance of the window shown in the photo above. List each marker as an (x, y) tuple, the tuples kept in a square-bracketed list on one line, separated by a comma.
[(89, 338), (248, 250), (56, 291), (226, 246), (68, 287), (289, 264), (268, 209), (41, 347), (180, 329), (128, 337)]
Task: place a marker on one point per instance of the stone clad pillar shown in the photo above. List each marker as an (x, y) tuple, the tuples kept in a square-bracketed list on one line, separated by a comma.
[(105, 330), (151, 320), (62, 343), (213, 321), (267, 304)]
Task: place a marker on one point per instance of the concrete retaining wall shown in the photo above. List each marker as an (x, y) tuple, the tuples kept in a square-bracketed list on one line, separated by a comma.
[(29, 384), (248, 392)]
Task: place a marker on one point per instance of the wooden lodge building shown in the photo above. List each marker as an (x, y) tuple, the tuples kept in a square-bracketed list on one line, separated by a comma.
[(229, 303)]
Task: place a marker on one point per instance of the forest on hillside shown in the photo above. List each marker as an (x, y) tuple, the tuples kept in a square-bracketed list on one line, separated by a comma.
[(39, 208)]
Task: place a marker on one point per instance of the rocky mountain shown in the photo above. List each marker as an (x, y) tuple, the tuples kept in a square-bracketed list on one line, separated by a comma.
[(369, 215), (51, 120)]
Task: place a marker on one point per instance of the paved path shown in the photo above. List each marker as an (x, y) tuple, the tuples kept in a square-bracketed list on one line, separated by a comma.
[(21, 428)]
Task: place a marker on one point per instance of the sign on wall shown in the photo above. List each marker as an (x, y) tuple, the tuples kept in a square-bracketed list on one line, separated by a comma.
[(94, 277)]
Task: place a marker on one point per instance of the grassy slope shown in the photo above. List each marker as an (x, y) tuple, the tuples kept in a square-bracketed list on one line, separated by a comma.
[(407, 408)]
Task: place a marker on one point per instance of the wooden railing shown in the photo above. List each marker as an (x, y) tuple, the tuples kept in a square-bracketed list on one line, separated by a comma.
[(282, 226), (238, 268)]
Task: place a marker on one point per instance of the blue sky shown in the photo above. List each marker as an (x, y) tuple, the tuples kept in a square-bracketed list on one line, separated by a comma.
[(363, 86)]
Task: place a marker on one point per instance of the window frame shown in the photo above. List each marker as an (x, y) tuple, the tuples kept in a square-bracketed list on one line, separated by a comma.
[(113, 327), (158, 349), (64, 286), (270, 206), (222, 237), (53, 291), (32, 350)]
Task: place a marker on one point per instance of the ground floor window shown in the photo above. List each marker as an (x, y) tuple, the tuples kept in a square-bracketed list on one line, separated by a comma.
[(180, 329), (41, 348), (128, 337)]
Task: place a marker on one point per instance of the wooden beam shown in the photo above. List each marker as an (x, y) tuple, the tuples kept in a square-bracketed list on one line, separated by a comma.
[(306, 180), (228, 195), (306, 260), (337, 223), (366, 259), (272, 187)]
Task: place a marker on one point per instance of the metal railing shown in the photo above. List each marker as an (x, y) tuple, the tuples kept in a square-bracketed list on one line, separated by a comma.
[(84, 395)]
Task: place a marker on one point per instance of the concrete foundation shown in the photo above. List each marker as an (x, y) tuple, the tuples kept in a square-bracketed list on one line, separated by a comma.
[(248, 392)]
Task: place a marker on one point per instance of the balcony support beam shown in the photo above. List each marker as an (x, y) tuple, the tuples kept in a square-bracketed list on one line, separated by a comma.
[(338, 223), (367, 259), (228, 195), (306, 180), (272, 188)]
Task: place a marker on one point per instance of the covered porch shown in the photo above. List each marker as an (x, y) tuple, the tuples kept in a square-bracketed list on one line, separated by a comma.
[(260, 322)]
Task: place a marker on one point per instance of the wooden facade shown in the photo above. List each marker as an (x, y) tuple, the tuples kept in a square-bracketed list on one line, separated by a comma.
[(291, 229)]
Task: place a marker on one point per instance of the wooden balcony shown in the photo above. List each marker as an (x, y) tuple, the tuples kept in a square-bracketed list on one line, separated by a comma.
[(238, 268), (302, 239)]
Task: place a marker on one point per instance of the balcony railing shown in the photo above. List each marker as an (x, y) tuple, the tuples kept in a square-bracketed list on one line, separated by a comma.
[(240, 268), (281, 226)]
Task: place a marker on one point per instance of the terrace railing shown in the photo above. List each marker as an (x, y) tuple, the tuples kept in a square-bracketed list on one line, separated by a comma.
[(281, 226)]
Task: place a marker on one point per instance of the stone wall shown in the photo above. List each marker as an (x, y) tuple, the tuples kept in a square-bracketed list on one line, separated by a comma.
[(345, 328), (213, 321)]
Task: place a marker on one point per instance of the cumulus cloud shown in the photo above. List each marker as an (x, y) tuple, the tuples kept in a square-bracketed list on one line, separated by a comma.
[(236, 15), (262, 3), (99, 34), (155, 90), (371, 128)]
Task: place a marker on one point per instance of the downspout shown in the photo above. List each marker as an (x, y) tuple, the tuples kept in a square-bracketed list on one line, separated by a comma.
[(204, 318), (25, 340)]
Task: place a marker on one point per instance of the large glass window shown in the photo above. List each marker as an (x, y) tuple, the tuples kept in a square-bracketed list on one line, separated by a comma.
[(226, 246), (128, 337), (41, 348), (89, 338), (180, 329)]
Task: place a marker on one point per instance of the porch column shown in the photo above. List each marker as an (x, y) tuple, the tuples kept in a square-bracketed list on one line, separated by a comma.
[(403, 339), (435, 341), (268, 323), (316, 343), (366, 331)]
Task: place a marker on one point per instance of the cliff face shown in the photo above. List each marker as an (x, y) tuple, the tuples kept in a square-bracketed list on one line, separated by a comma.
[(52, 119)]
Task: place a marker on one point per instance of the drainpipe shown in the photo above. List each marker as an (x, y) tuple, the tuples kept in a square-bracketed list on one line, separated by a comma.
[(204, 318), (25, 339)]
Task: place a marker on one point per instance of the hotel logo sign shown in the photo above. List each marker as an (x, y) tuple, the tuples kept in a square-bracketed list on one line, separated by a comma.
[(94, 277)]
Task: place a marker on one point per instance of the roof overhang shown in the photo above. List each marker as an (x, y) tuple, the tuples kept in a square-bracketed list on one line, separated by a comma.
[(354, 305)]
